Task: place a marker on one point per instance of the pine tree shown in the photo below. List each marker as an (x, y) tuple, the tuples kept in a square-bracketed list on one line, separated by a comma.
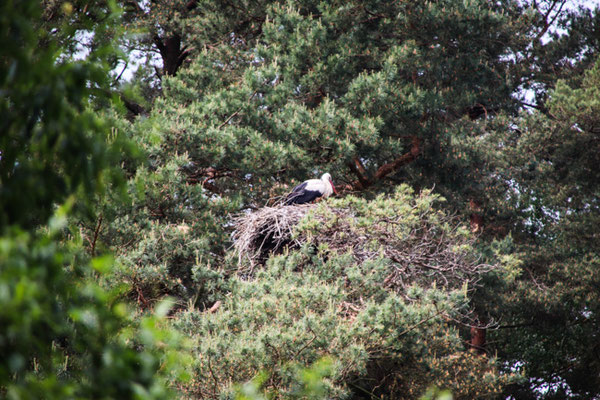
[(341, 88), (545, 164), (377, 94)]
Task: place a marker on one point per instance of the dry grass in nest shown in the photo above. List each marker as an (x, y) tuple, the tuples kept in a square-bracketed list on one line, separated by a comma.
[(266, 231)]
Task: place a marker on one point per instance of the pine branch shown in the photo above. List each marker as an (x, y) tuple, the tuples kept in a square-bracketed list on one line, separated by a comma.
[(237, 111), (522, 325), (132, 106), (364, 182), (547, 24), (96, 234), (407, 158), (183, 55), (135, 5), (190, 5), (358, 169), (159, 43)]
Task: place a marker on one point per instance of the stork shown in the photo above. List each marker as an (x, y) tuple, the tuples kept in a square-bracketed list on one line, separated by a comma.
[(311, 189)]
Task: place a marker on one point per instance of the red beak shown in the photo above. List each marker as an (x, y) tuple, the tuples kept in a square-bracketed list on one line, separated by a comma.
[(333, 187)]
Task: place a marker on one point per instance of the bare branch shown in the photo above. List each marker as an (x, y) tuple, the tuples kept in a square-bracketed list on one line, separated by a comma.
[(364, 182)]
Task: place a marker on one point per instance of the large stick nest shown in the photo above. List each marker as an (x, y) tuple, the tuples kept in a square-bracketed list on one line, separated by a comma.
[(423, 246), (267, 231)]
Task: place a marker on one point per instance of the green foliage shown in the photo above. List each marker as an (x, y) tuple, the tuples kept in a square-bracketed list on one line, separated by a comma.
[(61, 335), (282, 318), (167, 234), (310, 383), (267, 93), (398, 240), (312, 303), (81, 26), (436, 394), (544, 187), (244, 122), (48, 133), (319, 91)]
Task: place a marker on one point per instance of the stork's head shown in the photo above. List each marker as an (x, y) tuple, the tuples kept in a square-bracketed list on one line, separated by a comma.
[(327, 178)]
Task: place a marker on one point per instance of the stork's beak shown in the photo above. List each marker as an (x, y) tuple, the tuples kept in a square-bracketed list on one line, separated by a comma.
[(333, 187)]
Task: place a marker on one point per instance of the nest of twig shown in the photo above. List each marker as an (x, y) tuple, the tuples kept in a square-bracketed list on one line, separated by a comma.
[(425, 249), (267, 231)]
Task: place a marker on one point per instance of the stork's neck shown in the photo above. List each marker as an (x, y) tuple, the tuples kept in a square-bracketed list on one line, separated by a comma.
[(328, 188)]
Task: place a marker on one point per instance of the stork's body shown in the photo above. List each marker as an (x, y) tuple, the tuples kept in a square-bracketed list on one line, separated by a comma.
[(310, 190)]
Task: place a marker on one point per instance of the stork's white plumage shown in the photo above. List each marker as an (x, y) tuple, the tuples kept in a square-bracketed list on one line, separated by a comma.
[(311, 189)]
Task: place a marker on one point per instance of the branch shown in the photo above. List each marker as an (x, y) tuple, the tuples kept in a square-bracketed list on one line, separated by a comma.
[(413, 327), (135, 5), (522, 325), (306, 344), (359, 170), (531, 105), (373, 16), (122, 71), (190, 5), (237, 111), (133, 107), (206, 175), (159, 74), (364, 182), (407, 158), (547, 24), (184, 54), (96, 233), (215, 307), (159, 44), (231, 116)]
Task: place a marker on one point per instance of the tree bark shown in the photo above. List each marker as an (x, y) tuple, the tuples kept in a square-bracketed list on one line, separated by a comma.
[(172, 53), (477, 342), (475, 218)]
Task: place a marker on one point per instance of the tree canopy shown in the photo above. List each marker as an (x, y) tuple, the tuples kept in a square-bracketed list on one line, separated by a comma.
[(462, 252)]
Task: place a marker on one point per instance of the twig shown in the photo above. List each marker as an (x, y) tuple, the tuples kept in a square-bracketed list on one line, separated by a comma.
[(96, 233), (237, 111), (306, 344)]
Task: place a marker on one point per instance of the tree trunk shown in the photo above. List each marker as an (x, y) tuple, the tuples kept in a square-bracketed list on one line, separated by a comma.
[(475, 219), (171, 52), (477, 342)]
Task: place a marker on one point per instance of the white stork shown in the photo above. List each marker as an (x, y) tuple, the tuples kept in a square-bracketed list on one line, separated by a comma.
[(310, 190)]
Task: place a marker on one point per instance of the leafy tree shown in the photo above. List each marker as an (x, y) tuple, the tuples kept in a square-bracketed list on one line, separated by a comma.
[(61, 335)]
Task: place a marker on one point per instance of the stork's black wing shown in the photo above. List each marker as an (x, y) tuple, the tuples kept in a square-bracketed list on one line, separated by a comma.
[(300, 195)]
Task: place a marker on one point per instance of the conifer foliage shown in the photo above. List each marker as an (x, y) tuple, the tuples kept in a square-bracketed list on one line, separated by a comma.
[(375, 286), (462, 253), (428, 93)]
